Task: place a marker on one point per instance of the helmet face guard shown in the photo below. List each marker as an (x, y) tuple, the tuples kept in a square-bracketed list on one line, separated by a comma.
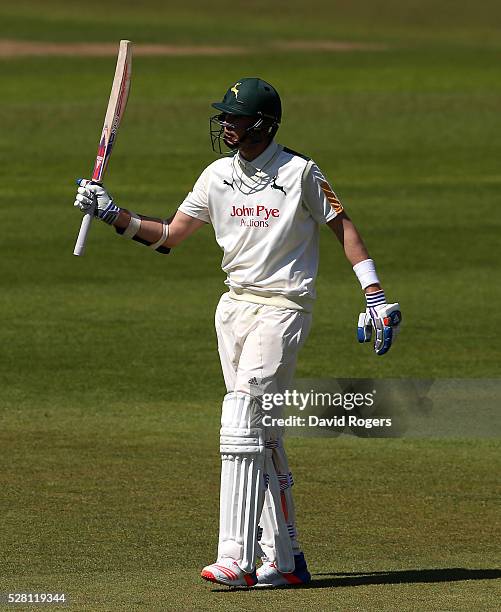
[(218, 122)]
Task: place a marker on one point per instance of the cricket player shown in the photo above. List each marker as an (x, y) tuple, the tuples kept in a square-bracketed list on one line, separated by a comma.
[(266, 204)]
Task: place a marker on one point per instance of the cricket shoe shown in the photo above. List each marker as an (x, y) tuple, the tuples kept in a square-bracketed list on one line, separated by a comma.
[(227, 571), (268, 575)]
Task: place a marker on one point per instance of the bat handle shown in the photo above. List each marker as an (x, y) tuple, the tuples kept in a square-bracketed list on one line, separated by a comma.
[(85, 225), (82, 234)]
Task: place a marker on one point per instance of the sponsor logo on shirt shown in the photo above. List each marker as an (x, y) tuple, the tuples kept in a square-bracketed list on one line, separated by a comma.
[(263, 214)]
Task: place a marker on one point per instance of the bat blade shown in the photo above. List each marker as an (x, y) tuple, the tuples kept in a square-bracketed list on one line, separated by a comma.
[(115, 110), (114, 113)]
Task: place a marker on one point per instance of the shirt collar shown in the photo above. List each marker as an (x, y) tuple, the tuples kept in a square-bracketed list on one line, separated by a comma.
[(261, 160)]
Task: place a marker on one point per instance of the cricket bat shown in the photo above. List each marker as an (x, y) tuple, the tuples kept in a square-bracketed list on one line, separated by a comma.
[(114, 114)]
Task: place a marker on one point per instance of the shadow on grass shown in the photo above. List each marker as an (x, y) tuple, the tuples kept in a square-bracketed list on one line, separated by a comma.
[(353, 579), (454, 574)]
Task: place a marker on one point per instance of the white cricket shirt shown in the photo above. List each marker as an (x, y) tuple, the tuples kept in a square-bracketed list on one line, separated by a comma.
[(266, 215)]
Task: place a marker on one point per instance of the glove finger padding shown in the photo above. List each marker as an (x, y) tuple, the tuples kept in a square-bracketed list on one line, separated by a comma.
[(93, 197), (86, 192), (82, 207), (84, 203), (85, 197), (364, 327), (386, 321)]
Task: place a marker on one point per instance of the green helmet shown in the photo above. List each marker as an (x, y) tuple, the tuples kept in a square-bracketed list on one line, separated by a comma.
[(252, 97)]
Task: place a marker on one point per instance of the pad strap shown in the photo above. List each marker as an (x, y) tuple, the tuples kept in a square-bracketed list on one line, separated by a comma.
[(131, 232), (162, 239), (134, 225)]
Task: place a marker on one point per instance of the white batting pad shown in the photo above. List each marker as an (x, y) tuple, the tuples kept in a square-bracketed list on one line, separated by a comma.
[(278, 516), (242, 482)]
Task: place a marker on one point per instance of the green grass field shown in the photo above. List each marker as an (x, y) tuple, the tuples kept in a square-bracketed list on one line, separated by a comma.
[(110, 381)]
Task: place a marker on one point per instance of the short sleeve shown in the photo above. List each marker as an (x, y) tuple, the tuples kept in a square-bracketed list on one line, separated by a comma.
[(196, 202), (318, 195)]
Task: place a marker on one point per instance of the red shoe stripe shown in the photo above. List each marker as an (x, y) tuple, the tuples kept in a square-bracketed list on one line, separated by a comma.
[(226, 571)]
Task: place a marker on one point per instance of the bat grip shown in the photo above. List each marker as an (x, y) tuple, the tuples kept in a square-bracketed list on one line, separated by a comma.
[(82, 234)]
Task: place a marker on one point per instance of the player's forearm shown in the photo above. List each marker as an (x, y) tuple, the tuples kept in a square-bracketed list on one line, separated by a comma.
[(353, 246), (150, 230), (351, 241), (356, 253), (158, 233)]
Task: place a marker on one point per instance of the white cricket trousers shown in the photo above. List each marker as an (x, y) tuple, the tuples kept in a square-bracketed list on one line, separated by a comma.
[(258, 344)]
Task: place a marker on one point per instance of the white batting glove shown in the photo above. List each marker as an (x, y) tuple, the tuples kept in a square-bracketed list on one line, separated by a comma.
[(93, 198), (383, 318)]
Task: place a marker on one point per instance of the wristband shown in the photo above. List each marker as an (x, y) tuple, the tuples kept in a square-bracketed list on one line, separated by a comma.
[(134, 224), (366, 273), (163, 237)]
